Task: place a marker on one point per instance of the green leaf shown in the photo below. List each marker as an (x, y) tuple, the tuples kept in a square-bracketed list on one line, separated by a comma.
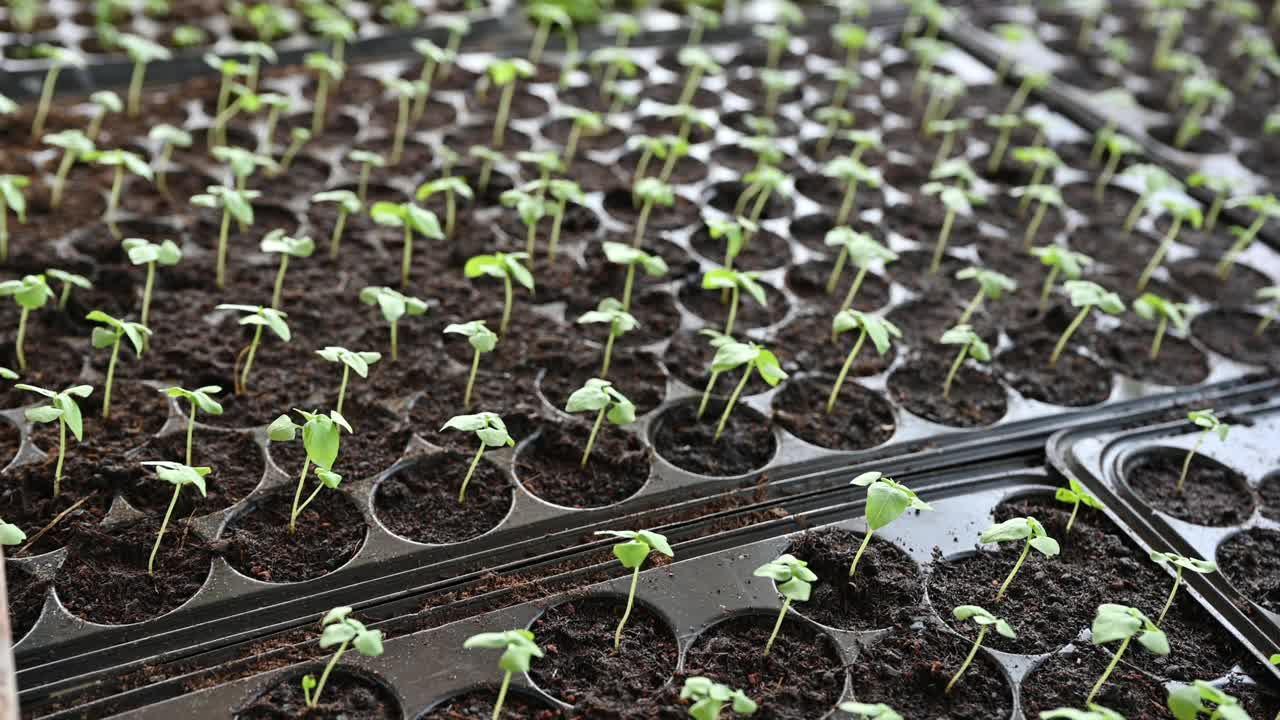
[(43, 414)]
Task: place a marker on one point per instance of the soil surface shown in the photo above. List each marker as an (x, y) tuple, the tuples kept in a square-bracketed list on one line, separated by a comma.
[(237, 463), (1213, 493), (25, 593), (1251, 562), (886, 590), (746, 445), (550, 465), (478, 705), (345, 696), (976, 398), (419, 501), (860, 418), (257, 542)]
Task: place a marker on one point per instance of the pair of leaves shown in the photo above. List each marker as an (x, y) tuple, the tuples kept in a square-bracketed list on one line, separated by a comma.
[(887, 499), (1190, 702), (417, 219), (709, 699), (610, 311), (486, 425), (62, 406), (637, 545), (500, 265), (270, 318), (1196, 565), (879, 329), (114, 329), (983, 618), (482, 339), (30, 293), (340, 627), (792, 575), (1120, 622), (200, 397), (357, 361), (622, 254), (978, 349), (321, 434), (732, 354), (861, 248), (596, 395), (1208, 420), (1022, 528), (1086, 293), (145, 252), (1075, 492), (1069, 263), (178, 474), (518, 648), (393, 304)]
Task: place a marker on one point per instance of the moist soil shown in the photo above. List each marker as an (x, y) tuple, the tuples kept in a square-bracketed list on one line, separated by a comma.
[(1064, 680), (478, 705), (1231, 332), (746, 445), (581, 662), (137, 413), (714, 311), (859, 420), (24, 593), (638, 376), (802, 677), (808, 339), (689, 357), (237, 464), (258, 544), (976, 398), (419, 501), (492, 393), (1076, 380), (27, 500), (378, 442), (809, 281), (886, 590), (1127, 349), (1250, 560), (346, 696), (1213, 494), (764, 251), (550, 465)]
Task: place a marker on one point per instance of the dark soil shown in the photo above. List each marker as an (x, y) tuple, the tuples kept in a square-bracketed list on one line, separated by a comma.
[(708, 305), (746, 445), (1230, 332), (237, 464), (1064, 680), (137, 413), (257, 542), (1200, 277), (808, 338), (478, 705), (1127, 349), (378, 442), (976, 398), (1250, 560), (25, 594), (886, 591), (346, 696), (638, 376), (1213, 495), (809, 281), (581, 662), (419, 501), (492, 393), (1076, 380), (860, 419), (689, 357), (27, 500), (764, 251), (550, 465)]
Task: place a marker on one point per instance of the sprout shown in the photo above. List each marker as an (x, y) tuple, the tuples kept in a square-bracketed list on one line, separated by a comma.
[(1180, 563), (229, 70), (342, 630), (518, 651), (1004, 126), (453, 188), (1209, 423), (1201, 93), (414, 220), (1117, 147), (394, 306), (1221, 186), (11, 199), (242, 163), (852, 174), (1060, 261), (491, 431), (328, 71), (188, 36), (688, 117), (1153, 307), (531, 207), (179, 476), (985, 621), (957, 200), (632, 552), (698, 63), (735, 233), (1033, 80), (620, 323), (1075, 494), (257, 52), (794, 580), (1265, 207), (199, 399), (277, 242), (505, 266), (1189, 702), (404, 92), (1119, 622), (583, 121), (620, 254), (348, 204), (564, 192), (650, 192), (991, 285), (59, 58), (878, 711), (1095, 712), (864, 250), (732, 355), (11, 534), (762, 183), (887, 500), (120, 160), (321, 436), (1045, 197), (141, 51), (701, 18), (338, 29), (104, 102), (1043, 160), (246, 100), (777, 38), (616, 61), (1270, 295), (433, 57), (1023, 528), (877, 328), (75, 146), (1154, 179), (504, 73), (144, 252), (948, 129), (63, 408), (168, 137), (599, 396), (260, 317), (350, 360), (234, 203), (30, 293), (1085, 295), (775, 83), (709, 698), (833, 117), (735, 282), (971, 345), (114, 330), (367, 160), (488, 158), (68, 280), (545, 16), (1183, 210)]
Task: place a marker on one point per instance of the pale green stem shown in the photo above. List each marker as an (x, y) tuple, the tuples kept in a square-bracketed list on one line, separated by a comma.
[(62, 456), (627, 286), (997, 153), (1115, 660), (502, 696), (1029, 237), (941, 247), (147, 287), (531, 238), (733, 399), (111, 373), (1266, 321), (853, 289), (782, 614), (462, 493), (1108, 172), (834, 279), (1075, 509), (402, 128), (642, 164), (706, 393), (220, 274), (1240, 245), (406, 258), (1215, 209), (278, 290), (641, 222), (248, 362), (982, 632), (1177, 581), (844, 371), (846, 204), (342, 389), (268, 139), (60, 179), (1004, 587), (46, 97), (395, 345), (1161, 326), (324, 676), (1189, 124), (191, 429), (1186, 463), (471, 380), (312, 496), (955, 368), (1158, 257), (162, 172), (1136, 212), (297, 496), (972, 307), (866, 541), (690, 86), (504, 107), (1099, 141), (420, 102), (336, 240), (318, 114), (1049, 280), (733, 310), (17, 344), (591, 439), (4, 233), (113, 201), (571, 144), (608, 355), (631, 598), (506, 306), (151, 561), (1066, 335), (362, 184)]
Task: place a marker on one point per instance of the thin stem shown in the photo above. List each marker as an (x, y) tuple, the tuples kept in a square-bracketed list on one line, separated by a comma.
[(113, 201), (531, 238), (312, 496), (1066, 335), (462, 493), (111, 373), (1186, 463), (62, 456), (191, 429), (1215, 209), (151, 561), (279, 286), (362, 184), (631, 597), (982, 632), (1187, 129), (1029, 237), (834, 278), (844, 371), (853, 289), (733, 399), (641, 222), (60, 178), (502, 695), (642, 165), (706, 393), (318, 114), (733, 310), (18, 343), (162, 180), (504, 107), (1240, 245), (220, 273), (1075, 509), (248, 361), (997, 153), (395, 345), (4, 233), (782, 614), (1108, 171), (1161, 327), (1158, 257), (46, 97), (471, 380), (342, 389), (64, 296), (1262, 325), (324, 676), (941, 247), (267, 146), (1100, 141), (955, 368), (1177, 581), (1111, 666), (147, 287), (402, 128), (420, 101), (554, 241), (608, 354), (1134, 213), (690, 86), (506, 306), (591, 439), (866, 540), (297, 495), (336, 240), (450, 212), (1004, 587), (406, 258), (1049, 280), (972, 307), (627, 287)]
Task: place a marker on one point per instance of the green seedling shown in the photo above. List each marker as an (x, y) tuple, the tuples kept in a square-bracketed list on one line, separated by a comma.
[(121, 160), (764, 147), (688, 116), (491, 432), (246, 101), (601, 397), (402, 14), (344, 631), (735, 233), (338, 29), (1084, 295), (145, 252), (735, 282), (776, 83), (104, 103), (1076, 495), (701, 18), (863, 140), (1200, 699), (67, 280), (142, 52), (321, 437), (518, 651), (880, 330), (1154, 179), (843, 81), (1013, 36), (1095, 712), (876, 711), (698, 64), (794, 581), (30, 293), (1209, 423), (887, 500), (12, 199), (971, 346), (179, 476), (1045, 197), (59, 60), (631, 258), (562, 192), (276, 242), (1004, 125), (504, 73), (1042, 161), (1265, 207), (1117, 147), (531, 208), (348, 204), (649, 147), (547, 163), (833, 118), (482, 340), (864, 251), (1164, 313), (611, 312), (1199, 94), (405, 92), (649, 192), (457, 26), (260, 317), (853, 38), (762, 183), (23, 15), (584, 122), (258, 53), (350, 360), (109, 335), (1271, 296), (242, 163), (367, 160), (11, 534), (632, 552), (234, 203), (991, 286), (944, 92), (298, 138), (1014, 529), (957, 201), (269, 22), (1184, 211), (199, 399), (1117, 100), (413, 219), (1031, 80), (168, 137), (1180, 563), (452, 187), (948, 129), (615, 62), (709, 698), (506, 267), (733, 355), (1221, 186), (394, 306), (985, 621), (852, 174), (1061, 262), (229, 70), (776, 38), (64, 408), (1119, 622), (546, 16), (488, 158), (275, 104), (328, 72), (434, 58)]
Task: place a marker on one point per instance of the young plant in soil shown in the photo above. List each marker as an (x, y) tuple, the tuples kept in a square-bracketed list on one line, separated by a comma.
[(412, 219), (1264, 207), (1076, 495), (1209, 424), (482, 340), (11, 534), (1031, 81), (1119, 622), (200, 399), (350, 360), (734, 282), (794, 581), (971, 346), (632, 257), (1164, 313), (562, 193), (121, 160), (1061, 262), (64, 408), (67, 281), (876, 711), (260, 317), (229, 70), (991, 286), (75, 147), (405, 93), (879, 329), (367, 160), (833, 118), (504, 73), (433, 58), (328, 72), (145, 252), (709, 699), (1190, 702), (958, 201), (949, 130), (179, 476), (887, 500), (32, 292), (394, 305), (12, 199), (452, 187), (104, 103), (1004, 125), (276, 242), (1153, 179), (648, 193), (518, 651), (109, 335), (735, 233), (733, 355), (583, 123), (632, 552), (1117, 147), (142, 52), (531, 207), (488, 158), (1084, 295), (348, 204), (762, 183), (59, 59), (491, 432), (506, 267), (1023, 528), (234, 203), (698, 64), (1221, 186), (168, 137), (863, 250), (985, 621), (601, 397), (340, 629), (1045, 197), (620, 322), (321, 436), (1180, 563), (1271, 296), (1183, 211), (276, 104), (1199, 94)]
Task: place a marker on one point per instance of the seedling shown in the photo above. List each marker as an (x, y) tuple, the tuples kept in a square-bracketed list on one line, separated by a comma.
[(405, 92), (279, 243), (732, 355), (877, 328), (735, 282), (104, 103), (1221, 187), (852, 174), (505, 266), (1183, 210), (1190, 702), (563, 192), (948, 129), (179, 476), (649, 192), (600, 396), (144, 252), (67, 280), (698, 63), (199, 399), (338, 29), (709, 698), (350, 360), (504, 73), (321, 436), (864, 251), (531, 207), (1271, 296), (412, 219), (433, 58), (260, 317), (367, 160), (630, 257), (1119, 622), (991, 286), (1209, 423), (394, 306), (734, 232), (777, 38), (583, 122), (1117, 147), (342, 630), (258, 53), (1031, 80), (985, 621), (114, 330), (1085, 295), (59, 59), (75, 146), (1004, 125), (348, 204), (762, 183), (833, 118), (168, 138), (121, 160), (688, 116), (1076, 495), (877, 711), (1154, 179), (243, 163), (64, 408), (142, 52), (1045, 197), (958, 201), (632, 552), (1060, 261), (620, 322), (453, 187), (11, 534), (1180, 563), (1163, 312), (887, 500), (328, 72), (1043, 161), (234, 203), (518, 651), (1199, 93), (1265, 208), (794, 581), (545, 17), (971, 346), (490, 430), (1023, 528), (457, 26), (30, 293), (229, 70)]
